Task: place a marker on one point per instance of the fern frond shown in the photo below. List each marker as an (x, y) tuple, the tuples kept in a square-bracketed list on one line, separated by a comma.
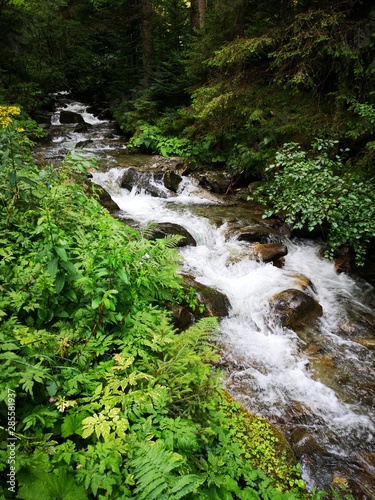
[(157, 472), (186, 484), (172, 240), (149, 230)]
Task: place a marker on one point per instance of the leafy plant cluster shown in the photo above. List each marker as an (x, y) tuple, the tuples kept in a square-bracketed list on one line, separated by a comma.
[(111, 402), (150, 138), (316, 188)]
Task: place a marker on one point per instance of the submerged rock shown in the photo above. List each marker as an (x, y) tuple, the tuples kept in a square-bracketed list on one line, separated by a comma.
[(150, 182), (295, 309), (303, 282)]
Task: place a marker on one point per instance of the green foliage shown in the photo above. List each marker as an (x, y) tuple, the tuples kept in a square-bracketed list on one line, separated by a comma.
[(151, 138), (159, 473), (317, 187), (239, 51), (41, 485)]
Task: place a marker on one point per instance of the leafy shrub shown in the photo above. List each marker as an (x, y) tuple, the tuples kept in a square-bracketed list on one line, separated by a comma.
[(151, 138), (316, 187)]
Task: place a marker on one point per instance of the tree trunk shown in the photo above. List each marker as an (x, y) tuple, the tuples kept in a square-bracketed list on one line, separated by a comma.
[(147, 40), (198, 13)]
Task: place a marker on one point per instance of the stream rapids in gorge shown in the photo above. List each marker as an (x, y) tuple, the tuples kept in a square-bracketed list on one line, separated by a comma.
[(317, 387)]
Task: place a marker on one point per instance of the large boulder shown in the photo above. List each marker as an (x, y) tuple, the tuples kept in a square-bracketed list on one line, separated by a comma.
[(163, 229), (210, 302), (68, 117), (270, 252), (216, 181), (295, 309)]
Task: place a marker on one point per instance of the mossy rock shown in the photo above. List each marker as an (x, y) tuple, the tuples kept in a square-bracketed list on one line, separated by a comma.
[(265, 447)]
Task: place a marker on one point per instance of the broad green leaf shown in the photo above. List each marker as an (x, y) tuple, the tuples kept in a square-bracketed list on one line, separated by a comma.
[(61, 253), (52, 267)]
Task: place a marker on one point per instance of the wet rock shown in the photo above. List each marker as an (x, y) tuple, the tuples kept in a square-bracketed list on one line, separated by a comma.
[(215, 303), (70, 117), (303, 282), (256, 234), (279, 263), (106, 200), (163, 229), (270, 252), (303, 443), (82, 127), (366, 342), (278, 224), (359, 327), (344, 260), (215, 181), (295, 309), (182, 318), (313, 349), (172, 180), (83, 144), (150, 183)]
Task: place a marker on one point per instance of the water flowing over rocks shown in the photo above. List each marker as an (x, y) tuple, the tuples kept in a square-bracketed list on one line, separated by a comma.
[(148, 182), (297, 340), (172, 180), (256, 234), (68, 117)]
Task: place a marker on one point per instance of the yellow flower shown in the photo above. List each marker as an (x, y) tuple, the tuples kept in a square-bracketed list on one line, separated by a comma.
[(5, 115)]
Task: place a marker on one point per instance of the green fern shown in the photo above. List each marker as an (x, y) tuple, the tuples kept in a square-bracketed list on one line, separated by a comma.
[(157, 473)]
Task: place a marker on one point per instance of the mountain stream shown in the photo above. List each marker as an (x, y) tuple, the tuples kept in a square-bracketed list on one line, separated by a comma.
[(317, 386)]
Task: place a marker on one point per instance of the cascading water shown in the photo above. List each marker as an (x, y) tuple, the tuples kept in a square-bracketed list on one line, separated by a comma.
[(266, 366), (92, 136), (317, 386)]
